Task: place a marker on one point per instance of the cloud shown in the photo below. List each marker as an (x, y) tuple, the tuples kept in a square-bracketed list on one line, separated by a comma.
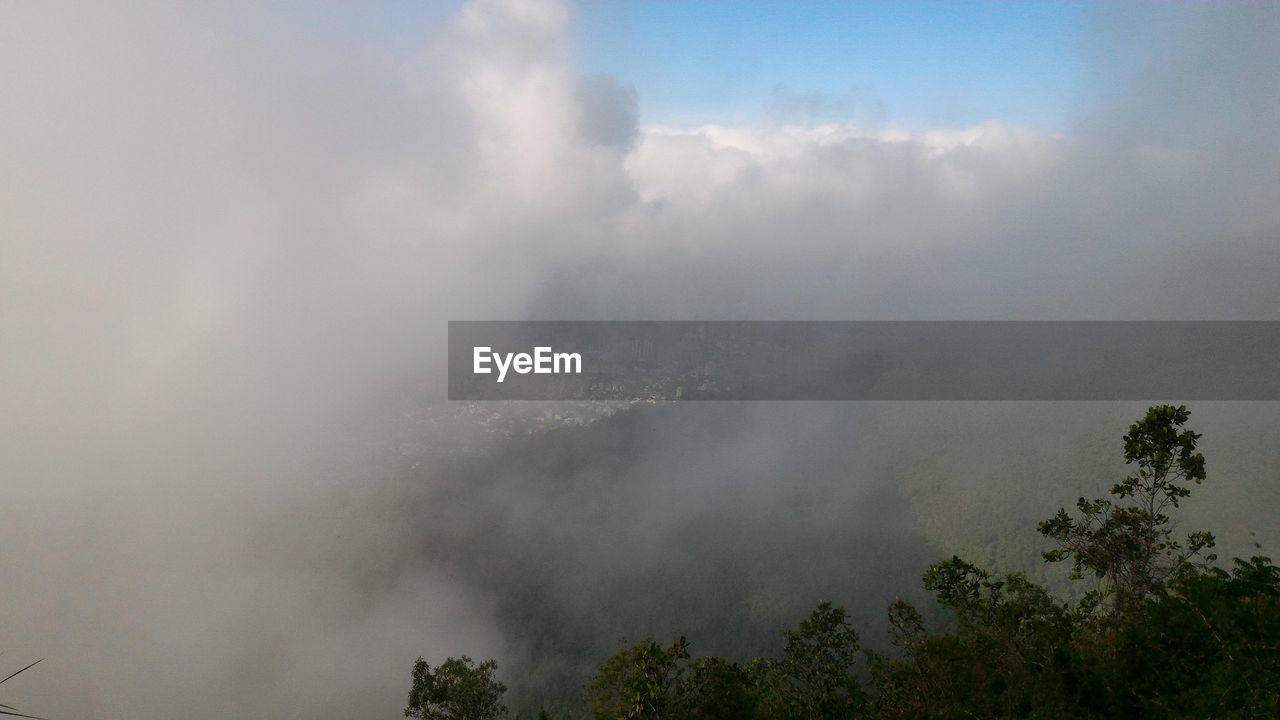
[(226, 231), (609, 113)]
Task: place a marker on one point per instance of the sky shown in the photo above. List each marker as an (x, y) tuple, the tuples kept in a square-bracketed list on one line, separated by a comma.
[(914, 65)]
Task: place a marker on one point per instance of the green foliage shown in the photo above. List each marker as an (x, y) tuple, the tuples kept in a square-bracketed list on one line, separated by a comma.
[(1002, 660), (815, 678), (645, 681), (456, 690), (1208, 648), (1128, 544), (648, 680), (717, 689), (1178, 639)]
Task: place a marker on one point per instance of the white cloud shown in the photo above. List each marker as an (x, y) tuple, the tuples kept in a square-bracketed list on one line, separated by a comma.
[(690, 165)]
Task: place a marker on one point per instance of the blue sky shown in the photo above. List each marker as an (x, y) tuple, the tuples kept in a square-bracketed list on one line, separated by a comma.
[(914, 65)]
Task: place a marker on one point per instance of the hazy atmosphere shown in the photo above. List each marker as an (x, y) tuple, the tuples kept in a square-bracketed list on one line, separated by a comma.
[(231, 236)]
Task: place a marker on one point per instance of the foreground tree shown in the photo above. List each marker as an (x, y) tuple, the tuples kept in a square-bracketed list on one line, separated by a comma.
[(1163, 635), (1003, 659), (1128, 543), (648, 681), (456, 690), (642, 682), (816, 677)]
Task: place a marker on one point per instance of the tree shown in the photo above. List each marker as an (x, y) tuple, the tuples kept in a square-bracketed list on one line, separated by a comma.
[(642, 682), (1183, 639), (1128, 543), (1004, 658), (648, 681), (815, 679), (717, 689), (1210, 647), (456, 690)]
